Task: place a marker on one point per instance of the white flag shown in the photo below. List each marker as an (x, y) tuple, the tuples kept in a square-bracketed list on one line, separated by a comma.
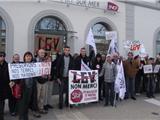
[(90, 41), (120, 84), (84, 67)]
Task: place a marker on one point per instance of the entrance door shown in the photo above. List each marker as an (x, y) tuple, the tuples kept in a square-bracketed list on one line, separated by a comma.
[(50, 34)]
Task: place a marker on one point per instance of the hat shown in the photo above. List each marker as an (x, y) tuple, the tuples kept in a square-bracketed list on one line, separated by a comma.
[(108, 55), (2, 54)]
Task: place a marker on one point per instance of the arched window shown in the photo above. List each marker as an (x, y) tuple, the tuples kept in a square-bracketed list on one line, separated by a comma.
[(2, 35), (50, 34), (158, 43), (99, 30)]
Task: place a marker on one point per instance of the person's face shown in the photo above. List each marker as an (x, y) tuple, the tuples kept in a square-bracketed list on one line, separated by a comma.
[(2, 58), (98, 58), (16, 58), (109, 59), (103, 57), (83, 52), (130, 56), (28, 58), (41, 53), (66, 51)]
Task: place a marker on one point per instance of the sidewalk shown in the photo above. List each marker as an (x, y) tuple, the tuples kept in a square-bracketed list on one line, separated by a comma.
[(125, 110)]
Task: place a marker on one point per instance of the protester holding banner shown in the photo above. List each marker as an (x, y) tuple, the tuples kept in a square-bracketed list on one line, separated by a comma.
[(140, 77), (26, 91), (109, 71), (97, 65), (131, 67), (48, 98), (16, 88), (5, 91), (64, 63), (41, 84), (81, 57), (150, 79)]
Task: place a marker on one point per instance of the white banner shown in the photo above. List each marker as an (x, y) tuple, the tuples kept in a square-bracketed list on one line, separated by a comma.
[(83, 86), (28, 70)]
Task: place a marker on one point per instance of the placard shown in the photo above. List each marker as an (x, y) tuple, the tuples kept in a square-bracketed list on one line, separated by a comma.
[(83, 86), (28, 70), (148, 69)]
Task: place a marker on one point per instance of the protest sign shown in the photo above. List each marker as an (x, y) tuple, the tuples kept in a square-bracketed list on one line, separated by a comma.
[(28, 70), (136, 47), (156, 68), (83, 86), (148, 69), (110, 35)]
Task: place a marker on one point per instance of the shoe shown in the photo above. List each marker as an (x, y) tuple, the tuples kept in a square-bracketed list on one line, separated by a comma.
[(43, 111), (105, 105), (71, 106), (36, 115), (138, 94), (133, 98), (45, 107), (60, 107), (100, 99), (13, 114), (152, 96), (49, 106)]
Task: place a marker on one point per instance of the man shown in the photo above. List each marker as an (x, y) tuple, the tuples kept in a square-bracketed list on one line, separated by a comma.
[(5, 91), (109, 71), (41, 84), (64, 64), (131, 67), (83, 57)]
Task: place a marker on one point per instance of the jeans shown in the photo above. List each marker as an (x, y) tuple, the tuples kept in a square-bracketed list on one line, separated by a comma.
[(109, 93), (2, 102), (63, 88), (130, 86)]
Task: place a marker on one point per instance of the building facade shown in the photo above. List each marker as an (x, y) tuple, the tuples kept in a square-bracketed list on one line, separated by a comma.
[(51, 24)]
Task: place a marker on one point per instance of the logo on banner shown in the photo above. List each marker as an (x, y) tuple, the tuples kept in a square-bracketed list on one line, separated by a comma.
[(76, 96)]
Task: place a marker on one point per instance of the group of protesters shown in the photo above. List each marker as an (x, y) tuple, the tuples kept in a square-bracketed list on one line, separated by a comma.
[(35, 94)]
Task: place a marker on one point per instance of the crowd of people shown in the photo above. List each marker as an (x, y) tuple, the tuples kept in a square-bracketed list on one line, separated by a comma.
[(35, 93)]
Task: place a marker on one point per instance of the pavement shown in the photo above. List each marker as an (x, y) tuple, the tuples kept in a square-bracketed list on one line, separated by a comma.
[(140, 109)]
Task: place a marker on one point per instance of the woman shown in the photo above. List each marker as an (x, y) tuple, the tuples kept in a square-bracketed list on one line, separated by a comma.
[(97, 65), (26, 91)]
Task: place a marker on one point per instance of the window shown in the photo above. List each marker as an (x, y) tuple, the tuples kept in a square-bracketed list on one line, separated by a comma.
[(99, 30), (158, 43), (2, 35)]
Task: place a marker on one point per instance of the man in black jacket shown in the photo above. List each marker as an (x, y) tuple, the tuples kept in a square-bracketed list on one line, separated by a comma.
[(64, 64), (83, 57), (5, 91)]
